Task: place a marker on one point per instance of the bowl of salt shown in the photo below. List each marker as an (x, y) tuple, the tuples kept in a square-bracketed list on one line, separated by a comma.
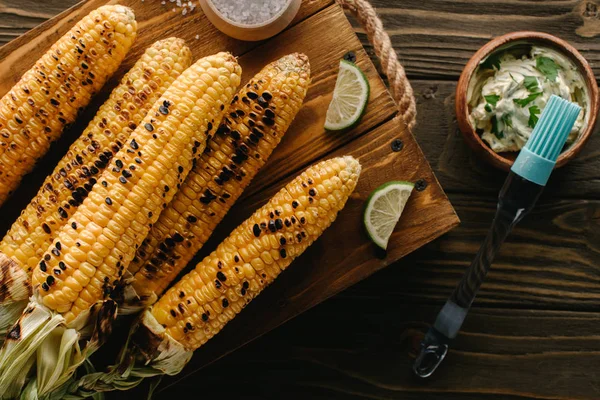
[(250, 20)]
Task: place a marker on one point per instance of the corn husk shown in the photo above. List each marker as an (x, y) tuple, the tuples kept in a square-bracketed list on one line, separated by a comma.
[(15, 290), (57, 349), (149, 353)]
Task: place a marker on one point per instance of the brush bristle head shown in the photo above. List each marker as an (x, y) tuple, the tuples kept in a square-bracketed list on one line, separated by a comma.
[(550, 134)]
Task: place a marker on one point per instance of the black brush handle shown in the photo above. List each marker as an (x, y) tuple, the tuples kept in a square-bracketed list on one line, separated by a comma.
[(517, 198), (469, 285)]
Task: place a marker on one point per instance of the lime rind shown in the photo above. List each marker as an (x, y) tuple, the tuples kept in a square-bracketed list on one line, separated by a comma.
[(383, 210), (350, 98)]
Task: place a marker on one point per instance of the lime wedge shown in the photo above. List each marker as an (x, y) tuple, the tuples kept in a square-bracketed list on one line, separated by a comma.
[(350, 97), (383, 210)]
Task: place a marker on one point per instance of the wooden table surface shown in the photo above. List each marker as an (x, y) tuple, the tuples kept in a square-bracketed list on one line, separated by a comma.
[(533, 332)]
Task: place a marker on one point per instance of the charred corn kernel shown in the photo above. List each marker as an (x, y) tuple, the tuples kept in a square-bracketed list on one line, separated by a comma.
[(239, 148), (204, 300), (78, 171), (48, 96), (134, 210)]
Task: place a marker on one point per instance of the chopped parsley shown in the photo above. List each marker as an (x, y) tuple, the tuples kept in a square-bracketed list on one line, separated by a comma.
[(488, 108), (493, 61), (548, 67), (492, 99), (528, 99), (534, 111), (507, 120), (531, 84), (495, 129)]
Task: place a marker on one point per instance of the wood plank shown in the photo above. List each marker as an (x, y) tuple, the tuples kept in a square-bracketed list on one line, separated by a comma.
[(430, 37), (460, 170), (19, 16), (436, 38), (335, 262), (363, 347), (549, 262)]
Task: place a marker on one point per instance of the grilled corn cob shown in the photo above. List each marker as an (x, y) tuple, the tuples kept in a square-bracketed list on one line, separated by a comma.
[(35, 111), (254, 124), (204, 300), (254, 254), (75, 175), (90, 252)]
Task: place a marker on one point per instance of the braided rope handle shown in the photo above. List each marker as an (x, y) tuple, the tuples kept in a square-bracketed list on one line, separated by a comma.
[(401, 89)]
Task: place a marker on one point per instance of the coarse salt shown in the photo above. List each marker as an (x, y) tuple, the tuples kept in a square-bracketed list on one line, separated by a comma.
[(250, 12), (186, 6)]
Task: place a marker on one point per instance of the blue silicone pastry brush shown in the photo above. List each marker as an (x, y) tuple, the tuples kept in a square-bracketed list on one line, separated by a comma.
[(522, 188)]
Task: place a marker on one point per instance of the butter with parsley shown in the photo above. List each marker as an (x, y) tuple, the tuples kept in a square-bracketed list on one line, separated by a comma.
[(508, 94)]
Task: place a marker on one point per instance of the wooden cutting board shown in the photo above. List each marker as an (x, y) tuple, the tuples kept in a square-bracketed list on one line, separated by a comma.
[(344, 255)]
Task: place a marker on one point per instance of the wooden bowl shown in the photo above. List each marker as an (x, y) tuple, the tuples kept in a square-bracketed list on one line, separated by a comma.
[(505, 160), (251, 33)]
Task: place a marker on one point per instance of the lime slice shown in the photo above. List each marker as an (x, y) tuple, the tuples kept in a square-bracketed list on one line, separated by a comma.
[(350, 97), (383, 210)]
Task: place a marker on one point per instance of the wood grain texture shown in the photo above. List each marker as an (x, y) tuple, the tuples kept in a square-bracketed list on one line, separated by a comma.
[(513, 347), (435, 39), (19, 16), (325, 36), (366, 353), (549, 262)]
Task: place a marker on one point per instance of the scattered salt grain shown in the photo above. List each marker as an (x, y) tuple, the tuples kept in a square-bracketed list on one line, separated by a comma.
[(197, 37), (186, 6), (250, 12)]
